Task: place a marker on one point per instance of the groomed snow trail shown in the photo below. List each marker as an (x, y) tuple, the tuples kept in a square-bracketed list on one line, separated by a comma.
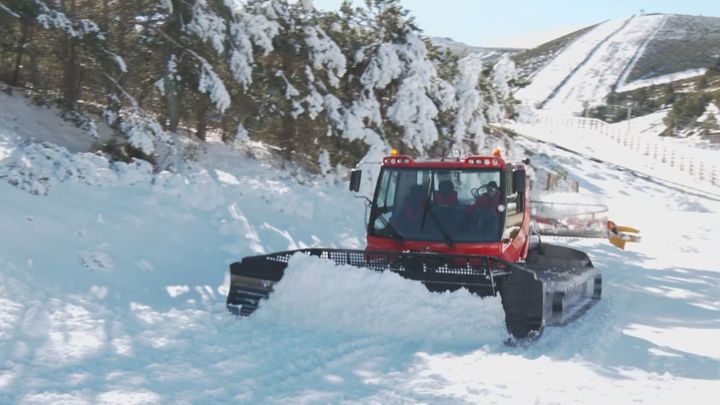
[(557, 70), (594, 80), (590, 67)]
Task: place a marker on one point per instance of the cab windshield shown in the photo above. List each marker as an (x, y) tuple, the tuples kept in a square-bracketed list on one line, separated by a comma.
[(458, 205)]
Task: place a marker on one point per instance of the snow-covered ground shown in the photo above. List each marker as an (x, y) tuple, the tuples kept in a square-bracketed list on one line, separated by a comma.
[(635, 145), (30, 122), (112, 284)]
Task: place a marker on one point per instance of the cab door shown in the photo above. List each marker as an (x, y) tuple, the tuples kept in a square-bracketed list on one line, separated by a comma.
[(514, 237)]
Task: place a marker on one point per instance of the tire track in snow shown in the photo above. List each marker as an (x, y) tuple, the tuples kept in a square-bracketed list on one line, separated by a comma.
[(321, 364), (297, 362)]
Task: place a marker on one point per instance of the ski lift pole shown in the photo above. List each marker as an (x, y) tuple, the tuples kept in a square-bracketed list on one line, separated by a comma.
[(629, 109)]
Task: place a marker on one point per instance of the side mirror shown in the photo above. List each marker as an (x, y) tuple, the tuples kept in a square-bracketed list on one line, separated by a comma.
[(355, 177), (518, 185)]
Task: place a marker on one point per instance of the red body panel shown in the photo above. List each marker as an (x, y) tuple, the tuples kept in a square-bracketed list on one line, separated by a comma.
[(516, 249), (485, 249), (512, 250)]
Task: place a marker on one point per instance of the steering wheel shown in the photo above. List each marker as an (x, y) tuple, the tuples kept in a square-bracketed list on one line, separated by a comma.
[(476, 193)]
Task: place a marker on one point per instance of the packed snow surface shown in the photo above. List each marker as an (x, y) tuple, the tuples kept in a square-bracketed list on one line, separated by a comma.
[(113, 282)]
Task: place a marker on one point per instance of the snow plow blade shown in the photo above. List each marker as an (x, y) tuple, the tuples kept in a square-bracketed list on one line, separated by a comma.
[(529, 301)]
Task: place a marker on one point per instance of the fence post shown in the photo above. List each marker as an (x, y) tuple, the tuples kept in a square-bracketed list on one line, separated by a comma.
[(547, 183)]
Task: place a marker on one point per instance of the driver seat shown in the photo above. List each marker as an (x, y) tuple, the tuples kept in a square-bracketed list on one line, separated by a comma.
[(446, 194)]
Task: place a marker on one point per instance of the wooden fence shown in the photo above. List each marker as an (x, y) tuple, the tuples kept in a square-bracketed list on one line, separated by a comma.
[(700, 164)]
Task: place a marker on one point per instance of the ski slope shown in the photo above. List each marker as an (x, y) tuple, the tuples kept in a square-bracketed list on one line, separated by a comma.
[(590, 67), (112, 284), (594, 80)]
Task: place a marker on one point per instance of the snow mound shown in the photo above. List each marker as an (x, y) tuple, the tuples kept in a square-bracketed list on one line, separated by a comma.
[(315, 293), (39, 167)]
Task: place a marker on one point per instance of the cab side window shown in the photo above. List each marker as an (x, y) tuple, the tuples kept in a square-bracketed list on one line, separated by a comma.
[(513, 218)]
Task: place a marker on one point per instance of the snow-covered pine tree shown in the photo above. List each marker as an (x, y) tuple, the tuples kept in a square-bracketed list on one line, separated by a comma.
[(503, 77), (469, 126), (190, 67), (402, 93), (289, 84)]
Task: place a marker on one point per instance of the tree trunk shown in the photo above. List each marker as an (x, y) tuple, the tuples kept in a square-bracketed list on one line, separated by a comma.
[(71, 77), (201, 110), (114, 89), (288, 137), (34, 71), (172, 102), (172, 88), (26, 32), (105, 20), (71, 74), (122, 29), (227, 135)]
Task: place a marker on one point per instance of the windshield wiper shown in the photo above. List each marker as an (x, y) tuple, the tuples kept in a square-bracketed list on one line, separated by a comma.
[(395, 234), (430, 186), (448, 239)]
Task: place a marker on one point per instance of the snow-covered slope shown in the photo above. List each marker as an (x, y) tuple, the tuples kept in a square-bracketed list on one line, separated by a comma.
[(112, 291), (621, 55), (490, 55), (553, 75), (595, 78), (38, 123)]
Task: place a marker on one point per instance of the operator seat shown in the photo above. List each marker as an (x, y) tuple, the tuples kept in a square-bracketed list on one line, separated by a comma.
[(446, 194), (409, 215)]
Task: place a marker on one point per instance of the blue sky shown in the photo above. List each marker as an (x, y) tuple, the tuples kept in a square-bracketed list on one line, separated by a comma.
[(528, 23)]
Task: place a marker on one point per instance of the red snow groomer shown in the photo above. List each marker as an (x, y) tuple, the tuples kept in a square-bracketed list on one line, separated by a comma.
[(452, 223)]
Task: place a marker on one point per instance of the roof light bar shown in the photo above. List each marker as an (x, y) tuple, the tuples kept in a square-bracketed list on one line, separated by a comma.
[(483, 161), (398, 160)]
